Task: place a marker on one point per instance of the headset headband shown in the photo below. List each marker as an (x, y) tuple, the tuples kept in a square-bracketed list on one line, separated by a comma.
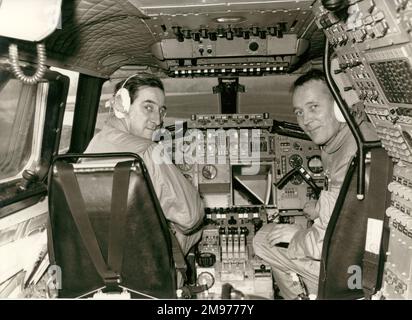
[(127, 79)]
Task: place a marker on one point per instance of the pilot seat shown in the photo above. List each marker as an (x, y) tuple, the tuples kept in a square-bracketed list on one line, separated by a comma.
[(107, 231)]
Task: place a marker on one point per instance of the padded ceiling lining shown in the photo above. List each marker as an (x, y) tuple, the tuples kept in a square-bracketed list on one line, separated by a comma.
[(101, 36)]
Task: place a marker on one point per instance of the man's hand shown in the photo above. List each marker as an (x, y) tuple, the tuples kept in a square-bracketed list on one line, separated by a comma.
[(282, 233), (309, 210)]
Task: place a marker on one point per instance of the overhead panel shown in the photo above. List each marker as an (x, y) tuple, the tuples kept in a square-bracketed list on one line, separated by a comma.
[(203, 37)]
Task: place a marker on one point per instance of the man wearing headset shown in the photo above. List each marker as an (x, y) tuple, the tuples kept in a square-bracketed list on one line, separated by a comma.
[(319, 117), (139, 109)]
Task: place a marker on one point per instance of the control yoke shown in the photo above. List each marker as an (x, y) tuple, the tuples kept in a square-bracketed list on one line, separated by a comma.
[(304, 174)]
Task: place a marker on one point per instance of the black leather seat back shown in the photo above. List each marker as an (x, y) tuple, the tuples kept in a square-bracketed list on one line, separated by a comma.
[(148, 265), (344, 242)]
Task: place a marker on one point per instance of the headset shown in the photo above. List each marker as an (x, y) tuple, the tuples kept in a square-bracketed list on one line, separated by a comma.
[(338, 114), (122, 100)]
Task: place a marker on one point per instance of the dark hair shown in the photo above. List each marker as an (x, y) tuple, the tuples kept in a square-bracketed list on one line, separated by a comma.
[(140, 80), (312, 74)]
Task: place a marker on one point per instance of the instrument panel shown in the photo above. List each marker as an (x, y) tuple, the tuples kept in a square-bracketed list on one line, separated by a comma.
[(293, 153), (235, 162)]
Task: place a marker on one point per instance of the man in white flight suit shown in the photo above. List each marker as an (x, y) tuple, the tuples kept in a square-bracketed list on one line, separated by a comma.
[(314, 108), (130, 129)]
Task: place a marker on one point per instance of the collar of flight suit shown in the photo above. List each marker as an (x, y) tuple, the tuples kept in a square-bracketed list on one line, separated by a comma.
[(119, 124), (337, 141), (116, 131)]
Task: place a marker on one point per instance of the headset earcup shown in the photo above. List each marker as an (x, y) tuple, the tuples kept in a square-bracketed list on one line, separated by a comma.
[(121, 102), (338, 114)]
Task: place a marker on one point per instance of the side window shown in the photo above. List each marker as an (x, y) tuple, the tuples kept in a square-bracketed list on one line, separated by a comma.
[(69, 111), (17, 114), (104, 104)]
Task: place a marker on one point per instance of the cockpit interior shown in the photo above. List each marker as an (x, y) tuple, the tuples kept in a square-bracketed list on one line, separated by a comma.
[(227, 68)]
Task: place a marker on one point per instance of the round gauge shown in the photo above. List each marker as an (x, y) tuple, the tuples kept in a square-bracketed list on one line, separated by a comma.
[(297, 146), (206, 278), (209, 171), (295, 160), (315, 164), (296, 180)]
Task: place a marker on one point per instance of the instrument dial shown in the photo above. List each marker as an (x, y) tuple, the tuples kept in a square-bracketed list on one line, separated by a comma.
[(206, 278), (209, 172), (296, 180), (297, 146), (315, 164), (295, 161)]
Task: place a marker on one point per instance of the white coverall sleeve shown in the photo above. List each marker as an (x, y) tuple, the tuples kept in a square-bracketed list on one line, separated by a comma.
[(178, 198), (307, 243)]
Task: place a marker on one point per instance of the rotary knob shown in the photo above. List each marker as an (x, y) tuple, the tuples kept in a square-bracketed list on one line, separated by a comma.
[(206, 259)]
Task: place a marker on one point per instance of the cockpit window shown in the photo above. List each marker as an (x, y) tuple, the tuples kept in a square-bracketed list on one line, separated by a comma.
[(185, 96), (17, 110), (104, 104)]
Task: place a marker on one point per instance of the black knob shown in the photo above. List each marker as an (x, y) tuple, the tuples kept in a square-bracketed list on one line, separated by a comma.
[(282, 26), (253, 46), (255, 31), (335, 5), (220, 32), (180, 37), (187, 34), (176, 30), (196, 36), (203, 33), (262, 34), (206, 259), (238, 32), (272, 31), (279, 33), (212, 36), (232, 220)]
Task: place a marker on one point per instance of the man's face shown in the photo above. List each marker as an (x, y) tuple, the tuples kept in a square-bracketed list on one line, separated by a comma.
[(147, 112), (313, 107)]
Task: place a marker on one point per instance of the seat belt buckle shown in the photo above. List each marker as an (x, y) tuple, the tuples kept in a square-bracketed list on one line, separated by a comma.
[(112, 282)]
